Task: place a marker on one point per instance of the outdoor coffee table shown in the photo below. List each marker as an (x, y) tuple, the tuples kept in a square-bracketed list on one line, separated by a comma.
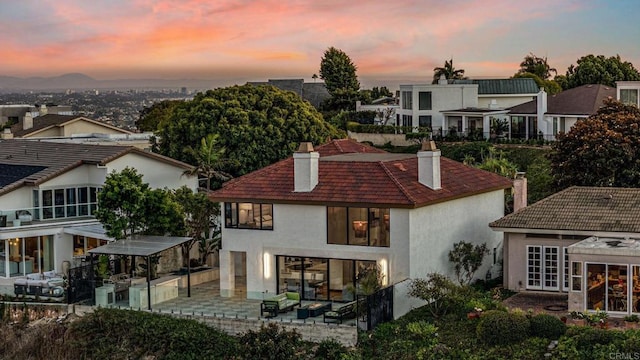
[(313, 310)]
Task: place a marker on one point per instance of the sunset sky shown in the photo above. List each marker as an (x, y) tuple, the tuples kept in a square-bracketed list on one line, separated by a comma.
[(238, 41)]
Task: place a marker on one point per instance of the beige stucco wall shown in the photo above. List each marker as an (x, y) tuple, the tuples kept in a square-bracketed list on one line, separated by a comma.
[(86, 127), (515, 258)]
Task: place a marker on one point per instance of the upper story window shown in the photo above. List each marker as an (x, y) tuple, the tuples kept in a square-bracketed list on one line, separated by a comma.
[(358, 226), (248, 216), (407, 100), (67, 202), (629, 96), (424, 100)]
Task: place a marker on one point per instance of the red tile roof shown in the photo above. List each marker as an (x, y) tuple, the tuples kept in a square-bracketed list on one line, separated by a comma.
[(355, 174)]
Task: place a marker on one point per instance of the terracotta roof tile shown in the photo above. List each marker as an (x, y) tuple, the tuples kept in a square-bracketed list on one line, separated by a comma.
[(392, 181), (580, 209)]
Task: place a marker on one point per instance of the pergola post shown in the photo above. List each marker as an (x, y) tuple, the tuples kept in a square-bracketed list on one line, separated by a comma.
[(93, 279), (189, 277)]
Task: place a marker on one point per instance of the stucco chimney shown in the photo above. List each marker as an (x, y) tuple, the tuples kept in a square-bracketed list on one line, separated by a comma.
[(27, 121), (429, 165), (541, 107), (442, 80), (6, 134), (519, 191), (305, 168)]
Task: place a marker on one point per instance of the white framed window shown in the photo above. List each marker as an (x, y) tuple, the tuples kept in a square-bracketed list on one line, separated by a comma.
[(576, 276), (534, 267), (565, 269)]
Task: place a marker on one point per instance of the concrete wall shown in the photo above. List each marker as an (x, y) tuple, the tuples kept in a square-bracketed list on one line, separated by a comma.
[(301, 230)]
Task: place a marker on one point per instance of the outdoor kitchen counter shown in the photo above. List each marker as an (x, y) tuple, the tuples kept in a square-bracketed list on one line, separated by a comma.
[(162, 289)]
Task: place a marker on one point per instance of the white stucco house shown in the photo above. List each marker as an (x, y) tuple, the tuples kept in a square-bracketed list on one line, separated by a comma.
[(48, 194), (463, 106), (312, 222)]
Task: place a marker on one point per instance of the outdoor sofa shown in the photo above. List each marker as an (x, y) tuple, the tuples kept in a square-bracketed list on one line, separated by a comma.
[(345, 311), (280, 303)]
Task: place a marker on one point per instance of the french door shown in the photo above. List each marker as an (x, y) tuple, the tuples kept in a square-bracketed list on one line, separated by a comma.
[(543, 267)]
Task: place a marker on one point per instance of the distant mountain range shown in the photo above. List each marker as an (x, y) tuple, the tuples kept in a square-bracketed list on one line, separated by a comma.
[(77, 81)]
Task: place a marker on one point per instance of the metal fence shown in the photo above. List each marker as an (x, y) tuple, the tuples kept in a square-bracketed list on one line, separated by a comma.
[(378, 308), (83, 279)]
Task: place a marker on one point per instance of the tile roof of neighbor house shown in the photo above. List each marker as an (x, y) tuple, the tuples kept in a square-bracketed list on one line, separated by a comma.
[(583, 100), (51, 120), (503, 86), (580, 209), (355, 174), (19, 156)]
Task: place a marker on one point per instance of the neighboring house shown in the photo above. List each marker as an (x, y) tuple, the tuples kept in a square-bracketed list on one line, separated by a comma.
[(48, 194), (584, 241), (463, 106), (55, 126), (15, 113), (385, 109), (314, 92), (547, 116), (311, 223)]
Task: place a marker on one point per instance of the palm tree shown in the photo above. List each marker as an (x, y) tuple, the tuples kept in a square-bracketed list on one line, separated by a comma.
[(537, 65), (208, 157), (448, 71)]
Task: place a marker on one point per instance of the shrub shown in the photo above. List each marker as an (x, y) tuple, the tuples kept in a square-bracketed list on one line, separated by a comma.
[(547, 326), (330, 349), (438, 291), (500, 327), (270, 342)]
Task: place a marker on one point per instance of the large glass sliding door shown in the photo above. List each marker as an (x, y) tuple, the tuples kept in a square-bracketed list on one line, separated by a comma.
[(608, 287), (319, 278), (28, 255)]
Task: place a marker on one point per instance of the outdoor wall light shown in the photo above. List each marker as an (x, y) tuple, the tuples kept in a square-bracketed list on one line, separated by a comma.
[(266, 262), (384, 267)]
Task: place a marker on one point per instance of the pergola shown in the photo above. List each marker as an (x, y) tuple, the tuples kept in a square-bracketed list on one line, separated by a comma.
[(145, 246)]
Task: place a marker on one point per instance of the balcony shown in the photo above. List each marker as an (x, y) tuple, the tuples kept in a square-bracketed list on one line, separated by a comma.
[(29, 216)]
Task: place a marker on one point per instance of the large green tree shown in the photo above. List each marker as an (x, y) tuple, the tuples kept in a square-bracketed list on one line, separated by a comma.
[(200, 221), (552, 87), (152, 116), (257, 126), (449, 72), (127, 206), (599, 69), (339, 75), (536, 65), (601, 150)]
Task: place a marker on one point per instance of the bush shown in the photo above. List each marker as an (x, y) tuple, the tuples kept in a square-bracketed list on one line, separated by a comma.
[(330, 349), (547, 326), (500, 328), (270, 342)]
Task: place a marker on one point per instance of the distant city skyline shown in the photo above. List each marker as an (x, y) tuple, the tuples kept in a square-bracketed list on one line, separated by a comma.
[(239, 41)]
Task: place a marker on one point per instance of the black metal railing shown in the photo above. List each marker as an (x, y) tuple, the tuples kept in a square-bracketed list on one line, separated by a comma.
[(84, 279), (375, 309)]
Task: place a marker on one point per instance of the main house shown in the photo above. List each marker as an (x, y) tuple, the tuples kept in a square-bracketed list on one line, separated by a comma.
[(584, 241), (313, 222), (48, 194)]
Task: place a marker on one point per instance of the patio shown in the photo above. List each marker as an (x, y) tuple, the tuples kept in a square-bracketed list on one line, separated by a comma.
[(205, 300)]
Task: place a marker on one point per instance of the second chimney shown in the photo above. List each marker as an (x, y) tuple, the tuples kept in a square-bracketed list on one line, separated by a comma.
[(305, 168), (27, 121), (519, 191), (429, 165)]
